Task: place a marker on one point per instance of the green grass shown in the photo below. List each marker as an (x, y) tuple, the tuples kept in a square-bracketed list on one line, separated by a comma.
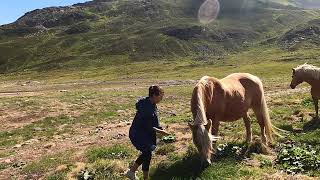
[(6, 154), (2, 166), (165, 149), (83, 103), (113, 152), (47, 163), (299, 158), (108, 169), (265, 62), (57, 176), (308, 102), (188, 167), (47, 128)]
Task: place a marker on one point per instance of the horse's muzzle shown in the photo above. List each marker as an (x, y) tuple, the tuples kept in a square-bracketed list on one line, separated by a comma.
[(292, 86)]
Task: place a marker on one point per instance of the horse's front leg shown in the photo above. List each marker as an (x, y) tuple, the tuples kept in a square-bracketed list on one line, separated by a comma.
[(315, 101), (215, 132), (215, 127), (247, 123)]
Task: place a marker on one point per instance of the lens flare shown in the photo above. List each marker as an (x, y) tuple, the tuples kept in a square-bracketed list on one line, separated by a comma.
[(208, 11)]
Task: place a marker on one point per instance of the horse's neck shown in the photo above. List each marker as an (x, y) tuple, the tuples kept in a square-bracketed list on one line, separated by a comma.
[(313, 82)]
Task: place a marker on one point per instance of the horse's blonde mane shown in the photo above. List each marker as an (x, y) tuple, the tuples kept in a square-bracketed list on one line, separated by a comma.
[(201, 136), (201, 117), (308, 70)]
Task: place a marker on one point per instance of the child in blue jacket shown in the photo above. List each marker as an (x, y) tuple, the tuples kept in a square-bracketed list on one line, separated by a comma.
[(143, 131)]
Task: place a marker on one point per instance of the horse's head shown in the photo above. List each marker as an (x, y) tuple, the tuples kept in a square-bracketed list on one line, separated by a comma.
[(203, 139), (201, 127), (296, 80)]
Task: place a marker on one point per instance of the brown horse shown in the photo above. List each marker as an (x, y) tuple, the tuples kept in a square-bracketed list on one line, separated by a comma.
[(227, 100), (311, 75)]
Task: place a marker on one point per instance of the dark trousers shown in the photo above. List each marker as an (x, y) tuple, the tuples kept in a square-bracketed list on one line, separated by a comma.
[(144, 159)]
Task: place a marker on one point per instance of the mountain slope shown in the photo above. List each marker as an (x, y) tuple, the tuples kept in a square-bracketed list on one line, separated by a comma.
[(307, 4), (117, 31)]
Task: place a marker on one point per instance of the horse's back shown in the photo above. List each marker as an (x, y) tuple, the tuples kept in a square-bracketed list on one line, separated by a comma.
[(243, 81), (243, 76)]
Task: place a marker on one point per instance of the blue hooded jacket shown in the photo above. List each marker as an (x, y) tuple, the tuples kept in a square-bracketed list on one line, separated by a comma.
[(141, 133)]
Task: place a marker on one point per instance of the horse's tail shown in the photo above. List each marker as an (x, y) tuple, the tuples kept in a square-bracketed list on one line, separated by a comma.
[(269, 130)]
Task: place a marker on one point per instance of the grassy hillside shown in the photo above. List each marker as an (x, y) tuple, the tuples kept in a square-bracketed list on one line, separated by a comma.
[(308, 4), (106, 32), (70, 77)]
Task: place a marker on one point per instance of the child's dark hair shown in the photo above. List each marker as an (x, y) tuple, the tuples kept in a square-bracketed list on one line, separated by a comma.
[(155, 91)]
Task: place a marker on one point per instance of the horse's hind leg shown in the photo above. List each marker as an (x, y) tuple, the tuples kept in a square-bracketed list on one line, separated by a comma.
[(315, 101), (247, 123), (260, 118)]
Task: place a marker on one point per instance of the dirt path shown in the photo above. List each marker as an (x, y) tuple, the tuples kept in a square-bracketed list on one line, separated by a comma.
[(34, 89), (16, 90)]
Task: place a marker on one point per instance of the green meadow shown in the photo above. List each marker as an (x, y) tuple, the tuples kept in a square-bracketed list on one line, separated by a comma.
[(72, 117)]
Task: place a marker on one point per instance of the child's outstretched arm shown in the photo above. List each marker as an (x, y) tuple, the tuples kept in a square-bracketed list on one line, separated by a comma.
[(161, 131)]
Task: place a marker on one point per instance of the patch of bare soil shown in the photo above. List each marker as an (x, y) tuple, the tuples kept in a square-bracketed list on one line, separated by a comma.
[(183, 135), (79, 141), (13, 119)]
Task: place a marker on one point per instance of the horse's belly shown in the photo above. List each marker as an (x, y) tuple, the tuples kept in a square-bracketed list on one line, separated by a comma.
[(236, 112), (233, 117)]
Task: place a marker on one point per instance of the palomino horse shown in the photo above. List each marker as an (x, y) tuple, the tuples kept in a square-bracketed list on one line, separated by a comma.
[(227, 99), (311, 75)]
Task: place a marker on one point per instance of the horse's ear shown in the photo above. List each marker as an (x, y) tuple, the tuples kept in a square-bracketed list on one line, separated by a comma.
[(208, 125), (293, 70)]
